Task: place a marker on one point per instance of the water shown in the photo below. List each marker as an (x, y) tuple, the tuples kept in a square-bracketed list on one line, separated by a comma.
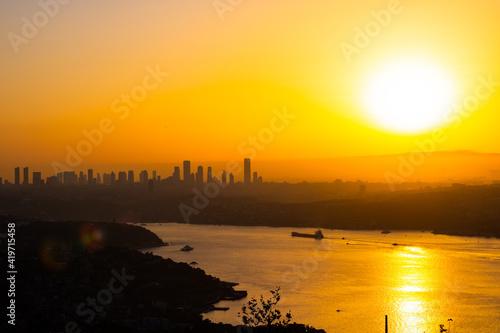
[(420, 283)]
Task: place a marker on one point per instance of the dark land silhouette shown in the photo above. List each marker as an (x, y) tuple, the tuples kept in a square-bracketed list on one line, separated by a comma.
[(101, 284), (456, 210)]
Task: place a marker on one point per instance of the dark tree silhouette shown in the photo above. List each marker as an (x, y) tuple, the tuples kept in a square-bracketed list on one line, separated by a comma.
[(263, 312)]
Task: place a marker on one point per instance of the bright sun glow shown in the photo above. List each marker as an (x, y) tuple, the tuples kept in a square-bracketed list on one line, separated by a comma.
[(408, 96)]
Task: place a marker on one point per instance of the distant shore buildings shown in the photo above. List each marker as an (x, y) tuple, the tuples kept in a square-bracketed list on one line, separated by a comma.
[(122, 178)]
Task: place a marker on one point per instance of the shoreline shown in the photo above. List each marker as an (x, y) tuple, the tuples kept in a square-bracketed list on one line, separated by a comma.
[(456, 233)]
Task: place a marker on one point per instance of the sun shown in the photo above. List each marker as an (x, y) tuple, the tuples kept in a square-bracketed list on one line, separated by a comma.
[(408, 97)]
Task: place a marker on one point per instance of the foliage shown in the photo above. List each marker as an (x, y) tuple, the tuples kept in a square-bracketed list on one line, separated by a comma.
[(442, 329), (264, 312)]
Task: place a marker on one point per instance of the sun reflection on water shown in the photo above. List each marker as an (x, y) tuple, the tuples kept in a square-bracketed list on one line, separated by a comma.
[(413, 280)]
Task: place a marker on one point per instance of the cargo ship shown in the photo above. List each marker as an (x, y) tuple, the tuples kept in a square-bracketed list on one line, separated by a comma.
[(317, 235)]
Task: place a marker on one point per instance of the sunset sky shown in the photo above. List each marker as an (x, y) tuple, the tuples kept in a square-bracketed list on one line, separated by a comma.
[(229, 73)]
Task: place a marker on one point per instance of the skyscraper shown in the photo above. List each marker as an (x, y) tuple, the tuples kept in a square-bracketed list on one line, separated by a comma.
[(224, 177), (70, 178), (255, 177), (26, 176), (122, 177), (231, 178), (177, 174), (90, 176), (17, 180), (82, 179), (154, 175), (37, 179), (209, 174), (106, 179), (199, 176), (187, 171), (131, 176), (143, 177), (247, 171)]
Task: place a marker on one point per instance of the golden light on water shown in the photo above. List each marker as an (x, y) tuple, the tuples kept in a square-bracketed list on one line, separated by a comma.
[(413, 282)]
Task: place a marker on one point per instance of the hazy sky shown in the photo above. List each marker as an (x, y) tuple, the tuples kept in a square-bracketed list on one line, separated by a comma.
[(231, 67)]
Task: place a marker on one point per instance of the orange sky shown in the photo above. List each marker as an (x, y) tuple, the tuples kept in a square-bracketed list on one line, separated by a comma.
[(227, 78)]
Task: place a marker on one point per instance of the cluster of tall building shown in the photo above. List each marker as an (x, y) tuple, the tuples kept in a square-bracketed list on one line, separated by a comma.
[(198, 177), (122, 178), (37, 177)]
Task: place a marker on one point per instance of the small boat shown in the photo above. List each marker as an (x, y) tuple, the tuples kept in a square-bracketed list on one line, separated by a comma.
[(317, 235), (386, 231), (187, 248), (395, 244)]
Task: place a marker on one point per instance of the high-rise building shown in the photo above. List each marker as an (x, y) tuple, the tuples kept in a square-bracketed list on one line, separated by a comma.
[(231, 178), (255, 177), (37, 179), (60, 177), (176, 176), (82, 179), (17, 178), (143, 177), (90, 176), (186, 165), (209, 174), (26, 176), (247, 171), (70, 178), (106, 179), (199, 176), (131, 176), (154, 175), (98, 179), (224, 177), (113, 178), (122, 177)]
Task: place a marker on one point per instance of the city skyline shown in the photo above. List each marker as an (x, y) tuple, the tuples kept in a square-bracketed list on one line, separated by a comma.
[(475, 166), (218, 94), (128, 177)]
